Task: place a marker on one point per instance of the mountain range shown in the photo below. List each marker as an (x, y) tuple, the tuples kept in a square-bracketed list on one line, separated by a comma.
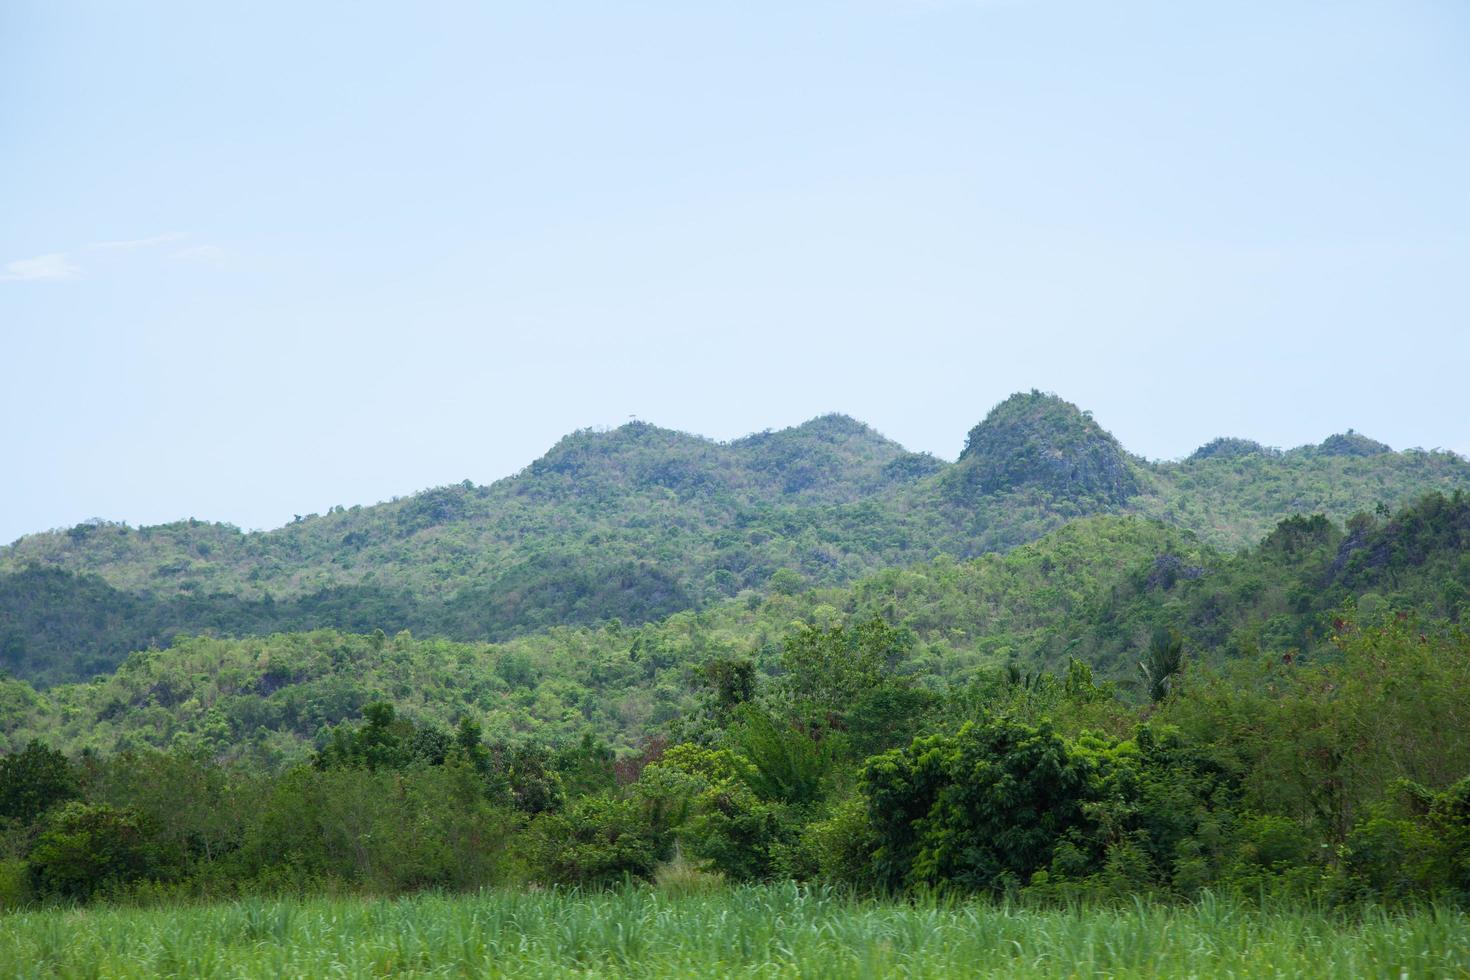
[(638, 523)]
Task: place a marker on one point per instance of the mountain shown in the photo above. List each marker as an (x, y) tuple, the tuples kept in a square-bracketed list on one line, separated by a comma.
[(1036, 440), (640, 522)]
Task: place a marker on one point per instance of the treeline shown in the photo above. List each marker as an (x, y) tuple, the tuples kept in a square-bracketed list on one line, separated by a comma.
[(1339, 779), (58, 626)]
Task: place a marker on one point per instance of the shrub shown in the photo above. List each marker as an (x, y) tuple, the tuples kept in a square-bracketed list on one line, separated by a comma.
[(843, 844), (86, 847), (1392, 860), (598, 840), (981, 808)]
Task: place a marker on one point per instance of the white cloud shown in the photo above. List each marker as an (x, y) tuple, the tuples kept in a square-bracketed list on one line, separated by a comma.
[(132, 243), (59, 266), (52, 267)]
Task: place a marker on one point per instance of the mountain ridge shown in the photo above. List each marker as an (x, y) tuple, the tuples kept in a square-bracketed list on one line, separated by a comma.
[(637, 522)]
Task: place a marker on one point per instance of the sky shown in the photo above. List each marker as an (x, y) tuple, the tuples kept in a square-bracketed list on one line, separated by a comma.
[(260, 259)]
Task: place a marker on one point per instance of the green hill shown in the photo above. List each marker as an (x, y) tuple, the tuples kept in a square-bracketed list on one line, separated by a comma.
[(640, 522), (1036, 440), (1096, 589)]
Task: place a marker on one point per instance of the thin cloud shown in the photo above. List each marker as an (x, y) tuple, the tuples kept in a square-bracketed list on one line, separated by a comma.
[(128, 244), (52, 267), (200, 253), (60, 266)]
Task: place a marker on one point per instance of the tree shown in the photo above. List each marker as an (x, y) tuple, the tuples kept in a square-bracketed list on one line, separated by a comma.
[(192, 809), (585, 766), (86, 847), (787, 764), (982, 808), (599, 840), (1161, 663), (467, 742), (526, 774), (828, 669), (385, 741), (731, 682), (33, 780)]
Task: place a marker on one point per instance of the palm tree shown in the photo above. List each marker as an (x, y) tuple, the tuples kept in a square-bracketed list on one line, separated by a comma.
[(1163, 659)]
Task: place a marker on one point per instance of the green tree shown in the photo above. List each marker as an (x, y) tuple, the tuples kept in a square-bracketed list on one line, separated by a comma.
[(982, 808), (33, 780), (86, 847), (383, 741), (598, 840), (194, 811), (826, 670), (731, 682), (787, 764), (585, 766), (529, 778), (1162, 661)]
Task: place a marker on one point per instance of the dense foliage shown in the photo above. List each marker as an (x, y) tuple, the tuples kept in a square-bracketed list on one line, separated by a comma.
[(1102, 590), (1339, 778), (1116, 710), (640, 523)]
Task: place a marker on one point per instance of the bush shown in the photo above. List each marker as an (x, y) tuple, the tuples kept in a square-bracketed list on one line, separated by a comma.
[(86, 848), (680, 876), (705, 797), (382, 831), (843, 844), (1387, 859), (982, 808), (1449, 814), (597, 841)]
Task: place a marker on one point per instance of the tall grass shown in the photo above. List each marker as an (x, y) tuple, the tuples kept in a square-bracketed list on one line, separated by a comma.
[(759, 931)]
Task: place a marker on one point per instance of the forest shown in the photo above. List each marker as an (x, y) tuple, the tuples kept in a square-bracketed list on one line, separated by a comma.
[(640, 523), (1047, 677), (1114, 710)]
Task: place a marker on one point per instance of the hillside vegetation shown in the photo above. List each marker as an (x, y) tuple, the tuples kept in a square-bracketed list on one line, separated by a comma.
[(1096, 590), (845, 751), (640, 522), (1116, 712)]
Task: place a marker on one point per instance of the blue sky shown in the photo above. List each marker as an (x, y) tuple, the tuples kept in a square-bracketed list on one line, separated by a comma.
[(260, 259)]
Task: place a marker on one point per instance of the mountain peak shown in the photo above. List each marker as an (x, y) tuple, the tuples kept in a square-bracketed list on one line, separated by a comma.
[(1352, 443), (1231, 447), (840, 425), (1040, 440)]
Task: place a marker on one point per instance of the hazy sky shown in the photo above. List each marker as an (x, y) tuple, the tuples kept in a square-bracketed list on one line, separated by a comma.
[(258, 259)]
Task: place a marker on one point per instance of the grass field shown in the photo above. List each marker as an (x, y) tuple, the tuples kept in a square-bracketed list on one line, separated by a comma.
[(770, 931)]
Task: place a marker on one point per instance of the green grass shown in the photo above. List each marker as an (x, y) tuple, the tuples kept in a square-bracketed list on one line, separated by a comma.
[(771, 931)]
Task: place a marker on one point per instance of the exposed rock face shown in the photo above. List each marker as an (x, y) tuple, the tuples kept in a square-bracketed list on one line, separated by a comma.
[(1039, 440), (1169, 569)]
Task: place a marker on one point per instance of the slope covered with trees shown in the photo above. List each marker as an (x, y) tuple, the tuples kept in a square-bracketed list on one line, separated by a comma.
[(641, 522), (1114, 710), (1329, 781), (1099, 590)]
